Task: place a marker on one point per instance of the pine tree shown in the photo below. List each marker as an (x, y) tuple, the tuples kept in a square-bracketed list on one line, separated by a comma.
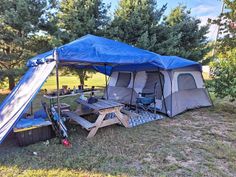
[(77, 18), (19, 23), (80, 17), (135, 22), (184, 35)]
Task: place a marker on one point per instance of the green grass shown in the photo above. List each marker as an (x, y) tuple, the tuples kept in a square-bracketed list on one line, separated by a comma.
[(97, 80), (201, 142)]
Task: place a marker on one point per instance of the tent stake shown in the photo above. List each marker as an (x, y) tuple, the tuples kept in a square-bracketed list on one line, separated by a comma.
[(57, 80)]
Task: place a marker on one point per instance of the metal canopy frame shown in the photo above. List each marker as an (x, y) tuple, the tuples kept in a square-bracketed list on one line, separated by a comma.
[(55, 56)]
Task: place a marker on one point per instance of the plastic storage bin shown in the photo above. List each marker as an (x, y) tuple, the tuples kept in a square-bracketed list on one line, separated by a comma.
[(27, 136)]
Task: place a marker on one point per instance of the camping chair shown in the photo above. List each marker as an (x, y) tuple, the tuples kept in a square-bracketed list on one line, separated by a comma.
[(145, 100)]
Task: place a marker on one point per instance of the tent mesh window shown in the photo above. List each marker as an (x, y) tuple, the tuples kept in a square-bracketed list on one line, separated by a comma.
[(186, 82), (123, 79), (153, 77)]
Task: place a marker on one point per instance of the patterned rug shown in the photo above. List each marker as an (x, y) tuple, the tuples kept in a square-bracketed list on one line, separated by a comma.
[(143, 117), (140, 118)]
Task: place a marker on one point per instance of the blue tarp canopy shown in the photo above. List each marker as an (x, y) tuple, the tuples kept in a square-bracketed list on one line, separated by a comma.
[(96, 52)]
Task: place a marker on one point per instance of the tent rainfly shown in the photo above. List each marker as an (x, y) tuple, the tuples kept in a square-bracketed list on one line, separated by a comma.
[(132, 70)]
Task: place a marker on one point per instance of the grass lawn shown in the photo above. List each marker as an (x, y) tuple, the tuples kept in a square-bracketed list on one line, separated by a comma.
[(94, 80), (201, 142)]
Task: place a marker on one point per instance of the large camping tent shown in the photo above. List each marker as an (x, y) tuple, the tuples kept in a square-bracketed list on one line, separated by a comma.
[(111, 58), (176, 90)]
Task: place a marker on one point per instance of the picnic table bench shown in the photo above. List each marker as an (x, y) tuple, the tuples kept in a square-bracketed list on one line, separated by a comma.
[(102, 108)]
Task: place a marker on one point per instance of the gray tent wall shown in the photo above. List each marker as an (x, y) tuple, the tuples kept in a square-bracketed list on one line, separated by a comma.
[(188, 91), (183, 89)]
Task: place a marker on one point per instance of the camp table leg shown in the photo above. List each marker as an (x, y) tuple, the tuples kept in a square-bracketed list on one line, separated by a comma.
[(97, 124)]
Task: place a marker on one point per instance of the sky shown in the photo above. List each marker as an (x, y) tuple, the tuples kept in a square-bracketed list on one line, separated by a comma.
[(202, 9)]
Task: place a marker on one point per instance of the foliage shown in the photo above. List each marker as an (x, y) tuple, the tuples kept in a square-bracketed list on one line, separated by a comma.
[(77, 18), (135, 22), (227, 27), (139, 23), (183, 36), (97, 80), (2, 80), (224, 75), (224, 66), (30, 27), (19, 22), (83, 74)]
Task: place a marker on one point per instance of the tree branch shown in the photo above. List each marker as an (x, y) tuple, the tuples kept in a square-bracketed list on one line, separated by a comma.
[(4, 65)]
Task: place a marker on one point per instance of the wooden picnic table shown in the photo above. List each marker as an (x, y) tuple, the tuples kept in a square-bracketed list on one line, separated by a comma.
[(102, 108)]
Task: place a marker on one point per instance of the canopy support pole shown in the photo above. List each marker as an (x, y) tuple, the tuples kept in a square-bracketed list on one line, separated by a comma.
[(131, 99), (106, 81), (170, 75), (162, 91), (57, 80), (31, 108)]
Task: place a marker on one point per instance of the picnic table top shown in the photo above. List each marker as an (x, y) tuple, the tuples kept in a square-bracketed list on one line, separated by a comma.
[(100, 104)]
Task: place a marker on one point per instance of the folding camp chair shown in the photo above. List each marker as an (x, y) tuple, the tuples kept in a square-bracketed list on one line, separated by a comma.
[(145, 100)]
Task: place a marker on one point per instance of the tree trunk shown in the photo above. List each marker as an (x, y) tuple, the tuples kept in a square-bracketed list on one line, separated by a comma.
[(11, 81), (82, 76), (81, 79)]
